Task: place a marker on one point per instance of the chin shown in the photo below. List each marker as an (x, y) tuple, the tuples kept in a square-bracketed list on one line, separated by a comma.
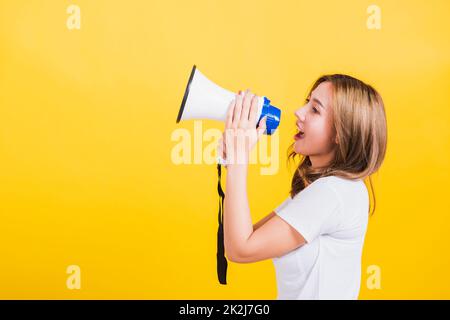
[(299, 150)]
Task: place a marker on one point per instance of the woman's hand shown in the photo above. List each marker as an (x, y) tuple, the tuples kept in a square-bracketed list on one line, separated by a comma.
[(241, 134)]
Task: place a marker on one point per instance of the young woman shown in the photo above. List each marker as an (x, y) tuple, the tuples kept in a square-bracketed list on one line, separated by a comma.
[(315, 237)]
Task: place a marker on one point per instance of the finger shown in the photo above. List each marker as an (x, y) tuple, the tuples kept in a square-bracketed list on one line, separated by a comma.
[(230, 113), (246, 105), (262, 127), (237, 111), (253, 111)]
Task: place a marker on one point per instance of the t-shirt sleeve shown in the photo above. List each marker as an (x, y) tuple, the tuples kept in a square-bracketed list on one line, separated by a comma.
[(282, 205), (313, 211)]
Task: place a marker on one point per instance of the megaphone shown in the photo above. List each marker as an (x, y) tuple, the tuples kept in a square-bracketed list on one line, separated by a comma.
[(203, 99)]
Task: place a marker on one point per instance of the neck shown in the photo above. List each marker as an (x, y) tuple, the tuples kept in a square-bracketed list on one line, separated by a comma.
[(321, 161)]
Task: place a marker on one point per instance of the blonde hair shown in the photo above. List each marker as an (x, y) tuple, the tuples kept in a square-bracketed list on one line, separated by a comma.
[(359, 121)]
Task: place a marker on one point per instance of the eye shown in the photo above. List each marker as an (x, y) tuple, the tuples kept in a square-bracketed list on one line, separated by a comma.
[(315, 110)]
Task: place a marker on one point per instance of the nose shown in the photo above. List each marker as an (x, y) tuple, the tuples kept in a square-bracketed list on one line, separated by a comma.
[(300, 113)]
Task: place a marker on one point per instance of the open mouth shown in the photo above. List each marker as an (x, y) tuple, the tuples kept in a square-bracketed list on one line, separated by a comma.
[(299, 135)]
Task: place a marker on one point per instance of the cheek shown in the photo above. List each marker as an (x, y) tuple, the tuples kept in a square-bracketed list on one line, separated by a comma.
[(319, 131), (318, 139)]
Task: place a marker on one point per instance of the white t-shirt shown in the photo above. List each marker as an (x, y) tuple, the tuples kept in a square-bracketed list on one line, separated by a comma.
[(332, 215)]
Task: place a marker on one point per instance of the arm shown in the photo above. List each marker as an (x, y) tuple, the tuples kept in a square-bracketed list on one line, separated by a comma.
[(242, 242), (263, 220)]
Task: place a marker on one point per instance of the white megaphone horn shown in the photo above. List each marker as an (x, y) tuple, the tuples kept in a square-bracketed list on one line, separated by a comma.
[(203, 99)]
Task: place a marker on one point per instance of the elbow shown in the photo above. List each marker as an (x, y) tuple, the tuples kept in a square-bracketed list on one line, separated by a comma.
[(242, 259), (233, 255), (231, 258), (235, 258)]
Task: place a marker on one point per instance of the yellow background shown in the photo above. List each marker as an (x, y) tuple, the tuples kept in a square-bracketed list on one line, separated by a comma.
[(86, 118)]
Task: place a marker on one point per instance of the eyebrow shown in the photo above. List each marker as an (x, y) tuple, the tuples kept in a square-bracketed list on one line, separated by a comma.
[(318, 101)]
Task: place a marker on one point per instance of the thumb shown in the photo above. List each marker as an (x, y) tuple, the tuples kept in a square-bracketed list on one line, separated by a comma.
[(221, 148), (262, 126)]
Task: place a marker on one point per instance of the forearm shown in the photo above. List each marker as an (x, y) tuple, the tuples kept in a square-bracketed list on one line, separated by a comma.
[(237, 220)]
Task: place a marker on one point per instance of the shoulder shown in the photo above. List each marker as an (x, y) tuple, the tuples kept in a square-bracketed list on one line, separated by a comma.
[(337, 188), (341, 185), (321, 192), (352, 195), (332, 191)]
